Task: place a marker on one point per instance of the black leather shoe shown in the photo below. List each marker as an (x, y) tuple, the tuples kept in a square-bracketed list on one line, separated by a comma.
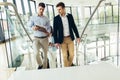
[(48, 66), (3, 41), (73, 64), (40, 67)]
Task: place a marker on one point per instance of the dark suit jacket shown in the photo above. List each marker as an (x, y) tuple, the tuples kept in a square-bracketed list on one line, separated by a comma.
[(58, 33)]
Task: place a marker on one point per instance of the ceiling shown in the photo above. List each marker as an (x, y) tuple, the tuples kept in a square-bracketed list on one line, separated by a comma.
[(77, 2)]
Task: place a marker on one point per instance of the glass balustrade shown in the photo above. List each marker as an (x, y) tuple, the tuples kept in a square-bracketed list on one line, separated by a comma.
[(17, 43)]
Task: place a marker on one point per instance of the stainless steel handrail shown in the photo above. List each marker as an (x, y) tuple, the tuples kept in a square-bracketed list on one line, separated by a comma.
[(16, 13), (91, 17)]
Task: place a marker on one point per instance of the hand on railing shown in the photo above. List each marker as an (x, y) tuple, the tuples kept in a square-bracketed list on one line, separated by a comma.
[(57, 45), (78, 40)]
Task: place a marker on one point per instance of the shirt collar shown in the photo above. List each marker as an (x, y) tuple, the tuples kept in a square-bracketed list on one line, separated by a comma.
[(64, 15), (38, 15)]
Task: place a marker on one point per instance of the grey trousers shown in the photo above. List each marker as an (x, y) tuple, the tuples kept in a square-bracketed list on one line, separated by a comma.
[(39, 43)]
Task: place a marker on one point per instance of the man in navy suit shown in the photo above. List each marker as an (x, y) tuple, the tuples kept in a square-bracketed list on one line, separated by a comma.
[(64, 30)]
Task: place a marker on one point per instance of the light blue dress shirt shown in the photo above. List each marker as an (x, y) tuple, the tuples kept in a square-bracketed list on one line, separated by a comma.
[(42, 21)]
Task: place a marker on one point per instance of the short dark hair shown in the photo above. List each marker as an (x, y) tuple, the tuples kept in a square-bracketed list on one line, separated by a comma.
[(61, 4), (41, 4)]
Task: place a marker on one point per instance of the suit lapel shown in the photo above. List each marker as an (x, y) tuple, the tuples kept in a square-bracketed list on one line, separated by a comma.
[(60, 20), (61, 29), (68, 20)]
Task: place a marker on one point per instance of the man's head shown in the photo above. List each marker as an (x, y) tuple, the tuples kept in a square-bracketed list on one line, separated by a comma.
[(41, 7), (61, 8)]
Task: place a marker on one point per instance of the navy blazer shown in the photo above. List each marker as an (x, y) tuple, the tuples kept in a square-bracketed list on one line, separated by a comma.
[(58, 33)]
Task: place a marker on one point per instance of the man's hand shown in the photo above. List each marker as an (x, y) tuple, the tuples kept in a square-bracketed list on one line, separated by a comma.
[(41, 29), (57, 45), (78, 40), (35, 28)]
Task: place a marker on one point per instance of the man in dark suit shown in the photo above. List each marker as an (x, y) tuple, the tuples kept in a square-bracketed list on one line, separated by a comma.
[(64, 29)]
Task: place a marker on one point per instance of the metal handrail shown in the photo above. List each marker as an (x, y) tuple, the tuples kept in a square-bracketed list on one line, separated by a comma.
[(16, 13), (91, 17)]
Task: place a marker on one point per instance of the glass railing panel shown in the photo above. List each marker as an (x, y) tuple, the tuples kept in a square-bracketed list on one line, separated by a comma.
[(97, 39), (100, 42), (22, 39), (18, 43)]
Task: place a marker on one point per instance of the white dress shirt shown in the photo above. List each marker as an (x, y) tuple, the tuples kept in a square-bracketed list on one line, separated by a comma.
[(65, 25), (40, 21)]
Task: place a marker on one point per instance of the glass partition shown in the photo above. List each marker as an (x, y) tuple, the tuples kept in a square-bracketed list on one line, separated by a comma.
[(100, 41), (17, 43)]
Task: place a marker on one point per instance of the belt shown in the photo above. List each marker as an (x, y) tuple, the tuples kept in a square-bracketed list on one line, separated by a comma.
[(41, 37), (66, 36)]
